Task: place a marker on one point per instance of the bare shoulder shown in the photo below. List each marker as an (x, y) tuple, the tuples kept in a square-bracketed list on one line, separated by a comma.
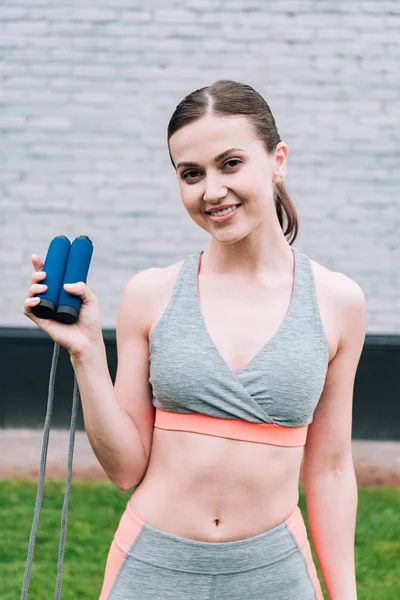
[(153, 280), (342, 286), (343, 298), (146, 291)]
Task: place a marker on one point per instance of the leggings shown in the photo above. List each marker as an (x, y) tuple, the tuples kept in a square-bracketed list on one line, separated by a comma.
[(145, 563)]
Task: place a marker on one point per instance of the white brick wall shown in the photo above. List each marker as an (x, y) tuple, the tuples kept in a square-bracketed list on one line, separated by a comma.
[(86, 93)]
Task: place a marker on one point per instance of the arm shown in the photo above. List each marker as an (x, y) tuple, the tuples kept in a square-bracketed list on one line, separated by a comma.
[(330, 485), (119, 419)]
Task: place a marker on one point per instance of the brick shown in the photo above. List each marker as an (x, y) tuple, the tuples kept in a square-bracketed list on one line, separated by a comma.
[(385, 7), (87, 70), (10, 13), (54, 123), (173, 15), (137, 16), (12, 122), (93, 14), (25, 27)]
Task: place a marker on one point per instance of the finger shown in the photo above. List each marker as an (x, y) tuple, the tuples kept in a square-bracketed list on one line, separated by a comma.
[(37, 262), (29, 303), (38, 276), (36, 288)]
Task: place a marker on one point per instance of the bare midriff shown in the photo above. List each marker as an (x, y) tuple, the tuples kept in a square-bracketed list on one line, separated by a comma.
[(215, 489)]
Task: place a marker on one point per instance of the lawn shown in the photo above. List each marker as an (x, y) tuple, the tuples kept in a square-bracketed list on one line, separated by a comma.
[(95, 509)]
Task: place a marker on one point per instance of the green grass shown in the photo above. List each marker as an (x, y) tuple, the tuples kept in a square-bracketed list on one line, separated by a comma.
[(94, 512)]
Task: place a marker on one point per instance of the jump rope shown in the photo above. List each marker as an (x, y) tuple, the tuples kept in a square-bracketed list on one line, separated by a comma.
[(65, 262)]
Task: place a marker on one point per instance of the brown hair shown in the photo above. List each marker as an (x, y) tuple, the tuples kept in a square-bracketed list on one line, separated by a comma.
[(226, 97)]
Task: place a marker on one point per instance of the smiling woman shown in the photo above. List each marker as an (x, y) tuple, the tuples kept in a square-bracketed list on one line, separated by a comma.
[(235, 365), (231, 99)]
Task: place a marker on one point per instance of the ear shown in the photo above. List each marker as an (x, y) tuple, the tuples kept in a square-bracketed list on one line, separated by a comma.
[(280, 162)]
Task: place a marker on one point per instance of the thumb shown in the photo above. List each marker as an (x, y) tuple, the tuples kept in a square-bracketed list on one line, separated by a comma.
[(78, 289)]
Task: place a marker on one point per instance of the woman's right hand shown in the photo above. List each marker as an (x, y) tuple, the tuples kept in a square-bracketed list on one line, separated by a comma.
[(78, 337)]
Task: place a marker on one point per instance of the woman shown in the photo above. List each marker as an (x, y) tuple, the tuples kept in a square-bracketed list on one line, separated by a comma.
[(233, 366)]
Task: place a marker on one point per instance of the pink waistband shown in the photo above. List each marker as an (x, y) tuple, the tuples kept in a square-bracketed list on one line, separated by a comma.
[(236, 429)]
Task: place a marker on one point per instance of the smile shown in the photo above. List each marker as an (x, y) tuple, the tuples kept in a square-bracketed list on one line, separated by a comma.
[(224, 215)]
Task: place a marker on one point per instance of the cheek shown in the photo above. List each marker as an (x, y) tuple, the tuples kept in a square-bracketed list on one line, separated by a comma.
[(191, 195), (256, 185), (246, 179)]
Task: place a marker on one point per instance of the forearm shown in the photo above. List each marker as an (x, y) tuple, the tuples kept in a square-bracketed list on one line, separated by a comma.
[(112, 434), (331, 499)]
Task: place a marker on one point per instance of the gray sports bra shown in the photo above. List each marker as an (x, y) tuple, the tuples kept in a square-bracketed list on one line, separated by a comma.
[(280, 385)]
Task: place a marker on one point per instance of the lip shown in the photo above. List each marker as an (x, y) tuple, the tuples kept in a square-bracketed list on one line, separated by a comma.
[(223, 218), (222, 207)]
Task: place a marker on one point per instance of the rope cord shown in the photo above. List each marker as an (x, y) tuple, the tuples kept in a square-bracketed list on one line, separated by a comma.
[(42, 471)]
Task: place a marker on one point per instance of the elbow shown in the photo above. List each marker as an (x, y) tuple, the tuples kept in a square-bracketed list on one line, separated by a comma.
[(126, 483), (337, 462), (124, 486)]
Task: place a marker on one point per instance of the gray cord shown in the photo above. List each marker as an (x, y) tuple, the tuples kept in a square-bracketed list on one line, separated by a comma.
[(64, 516), (42, 471), (43, 458)]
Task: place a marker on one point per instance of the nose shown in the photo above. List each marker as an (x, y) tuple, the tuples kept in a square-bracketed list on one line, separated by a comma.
[(214, 191)]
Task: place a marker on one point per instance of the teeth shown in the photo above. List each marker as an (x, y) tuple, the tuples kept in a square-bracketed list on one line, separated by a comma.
[(224, 212)]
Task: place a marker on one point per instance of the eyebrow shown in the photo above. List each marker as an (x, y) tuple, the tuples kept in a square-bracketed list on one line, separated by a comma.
[(216, 159)]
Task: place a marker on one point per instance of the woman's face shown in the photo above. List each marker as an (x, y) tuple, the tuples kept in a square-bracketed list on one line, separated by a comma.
[(219, 160)]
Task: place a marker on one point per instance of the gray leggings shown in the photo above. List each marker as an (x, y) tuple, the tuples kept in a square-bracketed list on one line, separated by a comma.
[(145, 563)]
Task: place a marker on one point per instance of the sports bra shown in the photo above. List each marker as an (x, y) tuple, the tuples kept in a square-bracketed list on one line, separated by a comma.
[(270, 400)]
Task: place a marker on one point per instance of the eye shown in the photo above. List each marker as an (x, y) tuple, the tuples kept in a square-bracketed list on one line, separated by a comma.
[(187, 175), (233, 160)]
